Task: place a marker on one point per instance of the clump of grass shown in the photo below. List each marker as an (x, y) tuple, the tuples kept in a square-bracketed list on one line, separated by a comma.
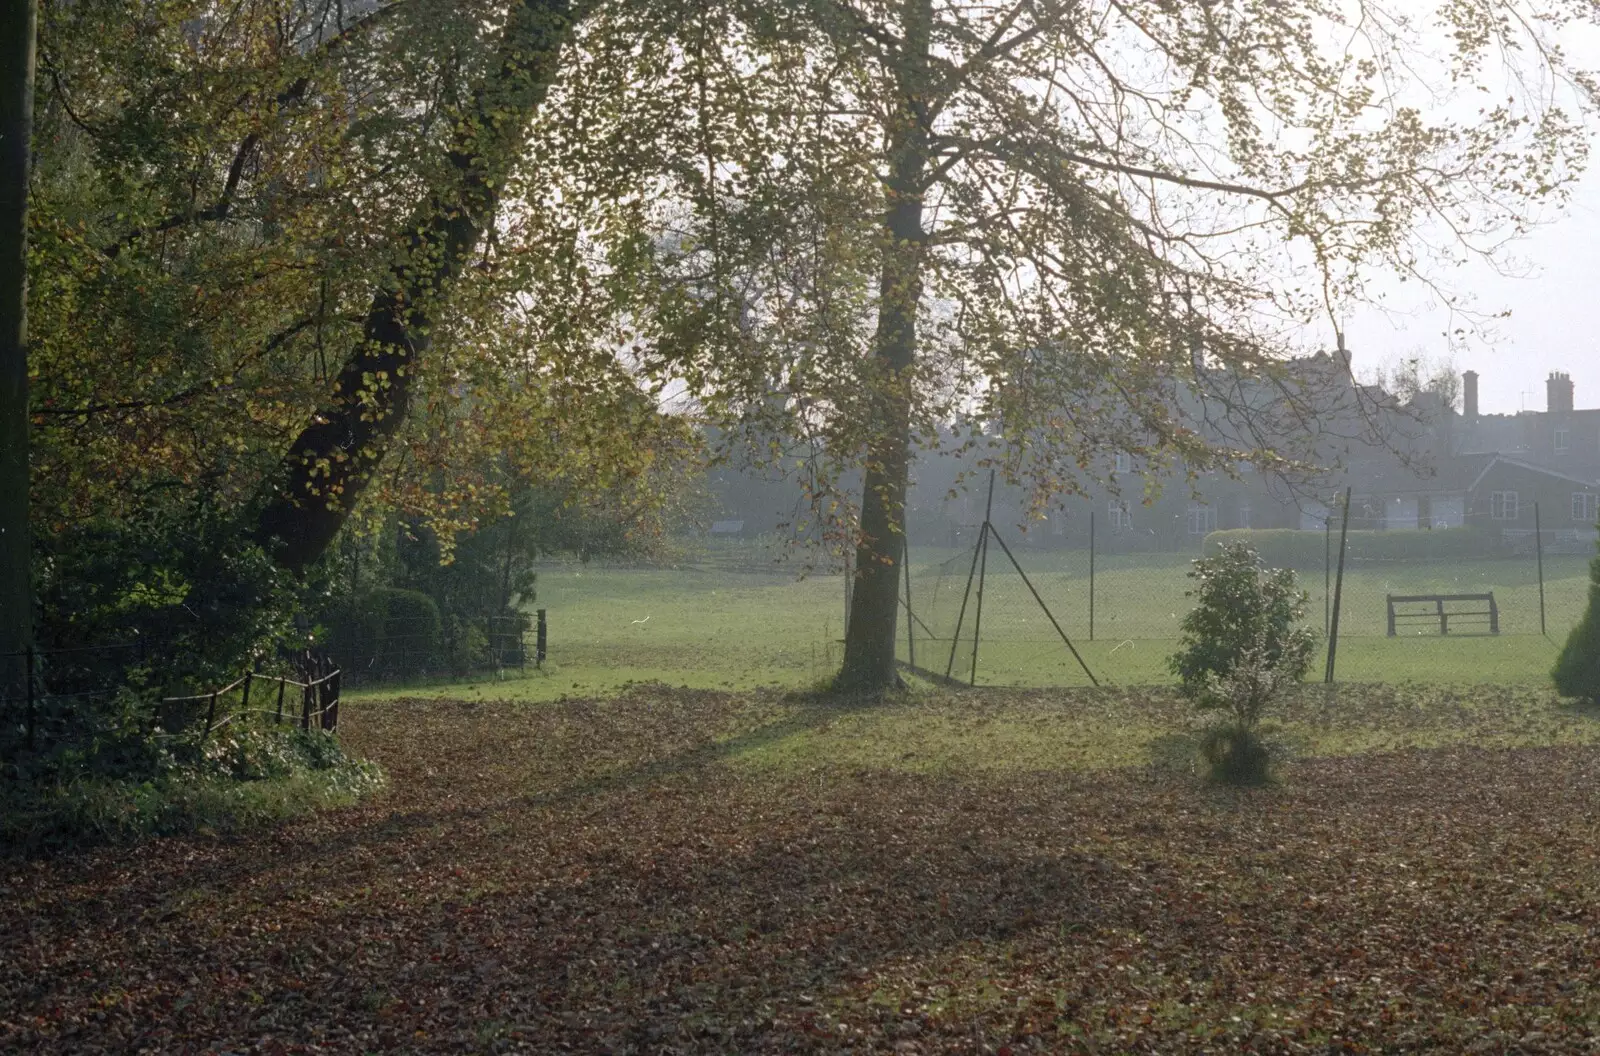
[(1236, 755)]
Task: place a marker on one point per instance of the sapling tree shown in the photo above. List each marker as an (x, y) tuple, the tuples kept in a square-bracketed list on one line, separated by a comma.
[(1242, 645)]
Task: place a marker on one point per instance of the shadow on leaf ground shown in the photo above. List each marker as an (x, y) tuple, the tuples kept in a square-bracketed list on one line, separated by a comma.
[(598, 877)]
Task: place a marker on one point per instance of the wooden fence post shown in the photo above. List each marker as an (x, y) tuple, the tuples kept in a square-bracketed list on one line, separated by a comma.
[(1091, 575), (1538, 549), (278, 720), (330, 701), (305, 707), (211, 714)]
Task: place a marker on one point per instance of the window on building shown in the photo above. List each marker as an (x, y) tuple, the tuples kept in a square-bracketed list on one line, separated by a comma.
[(1585, 507), (1124, 462), (1202, 519), (1503, 505), (1244, 514), (1119, 515), (1562, 438)]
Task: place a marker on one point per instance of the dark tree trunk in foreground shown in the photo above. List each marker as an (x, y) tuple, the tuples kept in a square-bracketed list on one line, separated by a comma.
[(18, 21), (330, 463), (869, 665)]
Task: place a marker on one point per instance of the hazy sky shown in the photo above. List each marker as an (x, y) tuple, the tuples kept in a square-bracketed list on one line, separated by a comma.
[(1552, 293), (1554, 322)]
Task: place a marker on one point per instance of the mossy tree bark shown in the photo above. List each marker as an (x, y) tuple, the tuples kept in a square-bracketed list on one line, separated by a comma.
[(330, 463), (869, 661)]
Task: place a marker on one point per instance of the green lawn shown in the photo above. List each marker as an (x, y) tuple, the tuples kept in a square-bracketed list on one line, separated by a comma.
[(720, 629)]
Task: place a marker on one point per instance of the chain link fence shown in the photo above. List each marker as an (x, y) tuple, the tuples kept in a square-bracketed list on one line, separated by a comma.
[(1456, 604)]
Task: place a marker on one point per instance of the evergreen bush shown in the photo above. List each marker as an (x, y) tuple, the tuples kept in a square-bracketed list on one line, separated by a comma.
[(1577, 670)]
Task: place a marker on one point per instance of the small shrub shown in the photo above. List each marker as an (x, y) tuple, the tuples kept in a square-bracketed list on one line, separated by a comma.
[(466, 645), (1577, 670), (411, 631), (1236, 755), (1235, 751), (1242, 646)]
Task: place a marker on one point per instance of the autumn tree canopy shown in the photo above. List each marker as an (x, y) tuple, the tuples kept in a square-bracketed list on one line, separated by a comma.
[(289, 255)]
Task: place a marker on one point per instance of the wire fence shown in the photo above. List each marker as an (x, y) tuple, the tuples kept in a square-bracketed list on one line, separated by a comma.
[(1413, 603), (420, 648), (50, 694), (1481, 597)]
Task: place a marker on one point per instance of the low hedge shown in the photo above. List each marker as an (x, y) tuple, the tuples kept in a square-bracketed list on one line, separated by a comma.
[(1291, 548)]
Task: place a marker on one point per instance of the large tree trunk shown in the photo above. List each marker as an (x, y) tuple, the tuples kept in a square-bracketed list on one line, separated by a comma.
[(18, 21), (869, 646), (330, 463)]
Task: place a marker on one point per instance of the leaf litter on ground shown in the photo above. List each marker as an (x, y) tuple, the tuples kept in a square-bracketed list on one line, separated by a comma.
[(691, 871)]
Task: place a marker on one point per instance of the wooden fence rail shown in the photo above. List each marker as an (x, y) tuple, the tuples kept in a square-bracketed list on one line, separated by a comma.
[(319, 700)]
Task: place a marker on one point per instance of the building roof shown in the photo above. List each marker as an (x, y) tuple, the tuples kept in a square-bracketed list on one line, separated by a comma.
[(1462, 473), (1531, 468), (1390, 476)]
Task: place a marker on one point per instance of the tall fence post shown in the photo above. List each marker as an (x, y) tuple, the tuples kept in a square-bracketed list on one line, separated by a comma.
[(541, 639), (911, 629), (1338, 591), (966, 595), (211, 714), (1327, 574), (278, 720), (1538, 549), (1091, 575), (305, 707), (983, 570), (328, 701)]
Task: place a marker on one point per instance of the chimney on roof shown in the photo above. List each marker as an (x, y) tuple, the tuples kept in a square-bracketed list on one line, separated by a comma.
[(1469, 395), (1558, 393)]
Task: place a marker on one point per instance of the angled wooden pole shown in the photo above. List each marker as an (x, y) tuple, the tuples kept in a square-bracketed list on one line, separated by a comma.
[(1048, 614), (961, 616), (1338, 591), (911, 633), (983, 571)]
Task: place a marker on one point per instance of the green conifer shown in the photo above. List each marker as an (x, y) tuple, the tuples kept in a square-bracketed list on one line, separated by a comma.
[(1577, 670)]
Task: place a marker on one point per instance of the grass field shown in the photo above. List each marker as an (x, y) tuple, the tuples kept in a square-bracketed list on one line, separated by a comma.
[(709, 628), (990, 871)]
